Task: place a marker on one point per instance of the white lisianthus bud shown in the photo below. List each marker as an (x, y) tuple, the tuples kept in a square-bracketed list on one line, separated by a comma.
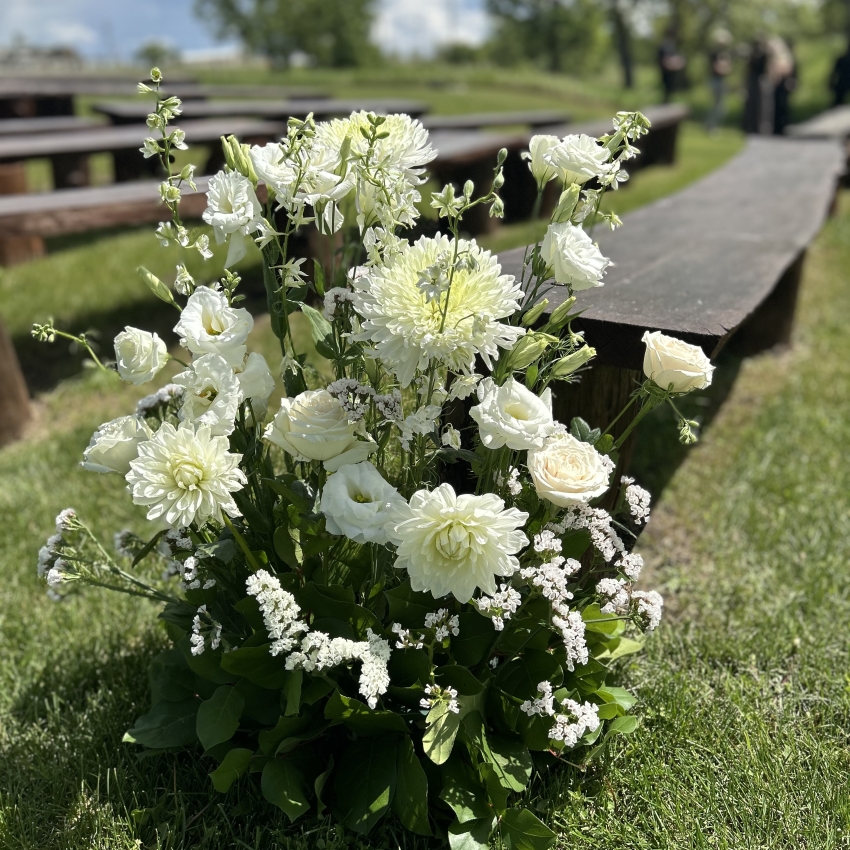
[(568, 472), (572, 256), (513, 416), (537, 155), (209, 325), (139, 355), (184, 283), (675, 365), (357, 502), (579, 158), (115, 444), (315, 426)]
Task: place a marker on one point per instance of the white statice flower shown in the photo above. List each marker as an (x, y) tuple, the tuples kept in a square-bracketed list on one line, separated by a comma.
[(599, 523), (48, 554), (59, 573), (66, 520), (512, 482), (389, 406), (352, 395), (333, 298), (406, 639), (374, 676), (455, 544), (500, 606), (183, 475), (579, 158), (410, 332), (233, 211), (570, 728), (615, 592), (546, 541), (513, 416), (124, 542), (443, 623), (675, 365), (115, 444), (209, 325), (572, 256), (571, 626), (139, 355), (451, 437), (543, 704), (422, 422), (435, 695), (204, 628), (211, 394), (279, 609), (539, 149), (315, 426), (184, 283), (638, 500), (169, 394), (649, 606), (357, 501), (630, 565), (568, 472)]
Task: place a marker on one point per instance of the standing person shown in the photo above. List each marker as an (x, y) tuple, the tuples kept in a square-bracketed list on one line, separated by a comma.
[(839, 79), (782, 69), (719, 67), (754, 106), (671, 63)]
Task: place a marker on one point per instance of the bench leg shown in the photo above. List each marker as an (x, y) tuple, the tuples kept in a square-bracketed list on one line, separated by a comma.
[(480, 172), (131, 165), (14, 397), (70, 171), (17, 248)]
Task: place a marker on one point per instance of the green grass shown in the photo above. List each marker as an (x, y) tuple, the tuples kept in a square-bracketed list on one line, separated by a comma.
[(745, 695)]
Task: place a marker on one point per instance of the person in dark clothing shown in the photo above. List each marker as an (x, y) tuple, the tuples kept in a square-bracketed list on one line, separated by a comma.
[(756, 70), (786, 79), (671, 63), (719, 66), (839, 79)]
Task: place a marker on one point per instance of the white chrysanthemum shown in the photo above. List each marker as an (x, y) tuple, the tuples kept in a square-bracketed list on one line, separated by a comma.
[(512, 415), (209, 325), (233, 211), (579, 158), (573, 256), (407, 328), (455, 544), (186, 476), (211, 394)]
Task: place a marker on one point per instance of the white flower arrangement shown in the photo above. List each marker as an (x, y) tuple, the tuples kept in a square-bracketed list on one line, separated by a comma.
[(322, 556)]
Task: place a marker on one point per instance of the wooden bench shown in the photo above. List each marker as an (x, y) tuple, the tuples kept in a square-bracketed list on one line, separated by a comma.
[(136, 111), (717, 262), (832, 124), (481, 120), (48, 124)]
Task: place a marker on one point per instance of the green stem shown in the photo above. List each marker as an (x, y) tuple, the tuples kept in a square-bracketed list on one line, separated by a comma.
[(647, 406), (243, 543)]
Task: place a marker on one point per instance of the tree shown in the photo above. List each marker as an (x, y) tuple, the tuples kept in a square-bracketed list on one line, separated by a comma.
[(334, 33)]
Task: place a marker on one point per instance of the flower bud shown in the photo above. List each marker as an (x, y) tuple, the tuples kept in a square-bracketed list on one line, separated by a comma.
[(499, 179), (527, 350), (497, 209), (560, 315), (532, 315), (567, 203), (468, 189), (567, 365), (502, 156), (156, 285)]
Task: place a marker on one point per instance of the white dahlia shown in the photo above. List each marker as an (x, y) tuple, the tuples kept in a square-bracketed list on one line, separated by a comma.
[(406, 325), (455, 544), (186, 476)]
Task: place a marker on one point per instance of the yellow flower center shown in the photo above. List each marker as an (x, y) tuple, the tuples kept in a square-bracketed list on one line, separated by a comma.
[(187, 475), (453, 540)]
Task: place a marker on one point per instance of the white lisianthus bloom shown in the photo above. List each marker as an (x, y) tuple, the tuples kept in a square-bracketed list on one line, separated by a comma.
[(537, 155), (455, 544), (115, 444), (233, 211), (407, 328), (357, 502), (579, 158), (139, 355), (572, 256), (211, 394), (274, 169), (568, 472), (255, 377), (209, 325), (675, 365), (314, 426), (183, 476), (513, 416)]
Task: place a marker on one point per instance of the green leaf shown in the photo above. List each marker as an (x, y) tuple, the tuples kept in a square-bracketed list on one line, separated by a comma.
[(256, 664), (207, 665), (333, 601), (170, 677), (284, 546), (511, 761), (410, 802), (620, 696), (476, 636), (521, 830), (496, 791), (218, 717), (582, 431), (622, 726), (471, 835), (464, 791), (292, 692), (409, 607), (284, 786), (286, 727), (459, 678), (234, 764), (520, 677), (409, 666), (321, 328), (439, 738), (619, 648), (362, 719), (596, 621), (259, 704), (609, 711), (319, 786), (365, 781), (167, 724)]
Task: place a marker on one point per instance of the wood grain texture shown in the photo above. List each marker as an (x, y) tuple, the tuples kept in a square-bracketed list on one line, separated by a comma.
[(14, 396)]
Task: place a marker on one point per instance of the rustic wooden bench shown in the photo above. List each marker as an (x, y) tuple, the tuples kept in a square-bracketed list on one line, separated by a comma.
[(718, 262), (47, 124), (481, 120), (832, 124)]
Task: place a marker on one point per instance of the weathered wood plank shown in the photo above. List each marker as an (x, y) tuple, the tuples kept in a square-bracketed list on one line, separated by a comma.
[(48, 124), (477, 121)]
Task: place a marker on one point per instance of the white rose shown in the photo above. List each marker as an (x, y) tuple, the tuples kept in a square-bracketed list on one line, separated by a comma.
[(209, 325), (538, 158), (139, 355), (572, 256), (675, 365), (568, 472), (513, 416), (211, 394), (357, 502), (578, 159), (315, 426), (115, 444), (233, 211)]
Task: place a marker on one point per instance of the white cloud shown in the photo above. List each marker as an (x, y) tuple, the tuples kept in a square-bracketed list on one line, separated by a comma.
[(408, 27)]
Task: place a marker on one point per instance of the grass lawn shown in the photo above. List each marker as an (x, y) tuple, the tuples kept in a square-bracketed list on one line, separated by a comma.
[(745, 689)]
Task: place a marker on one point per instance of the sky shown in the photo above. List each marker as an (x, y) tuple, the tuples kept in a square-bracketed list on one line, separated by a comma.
[(115, 29)]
